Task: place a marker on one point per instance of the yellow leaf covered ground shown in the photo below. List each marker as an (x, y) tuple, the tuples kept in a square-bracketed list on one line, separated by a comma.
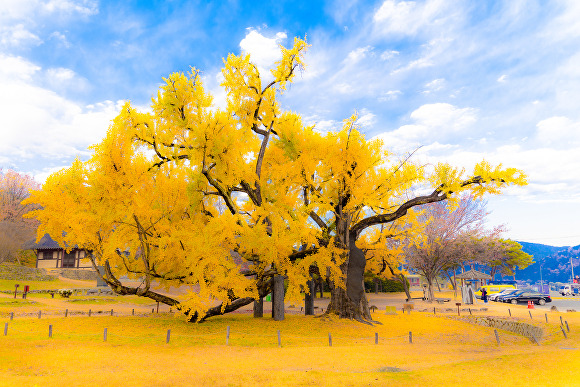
[(443, 352)]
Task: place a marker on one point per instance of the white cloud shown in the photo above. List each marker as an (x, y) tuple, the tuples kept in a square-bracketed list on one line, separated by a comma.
[(61, 38), (390, 95), (18, 36), (366, 119), (434, 86), (558, 131), (389, 54), (37, 122), (410, 17), (264, 52), (502, 78), (357, 55), (430, 123)]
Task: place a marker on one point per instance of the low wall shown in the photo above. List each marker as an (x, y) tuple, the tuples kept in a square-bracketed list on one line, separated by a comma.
[(23, 273), (511, 325), (79, 274)]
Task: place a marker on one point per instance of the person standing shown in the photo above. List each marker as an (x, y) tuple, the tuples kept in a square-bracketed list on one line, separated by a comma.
[(484, 295)]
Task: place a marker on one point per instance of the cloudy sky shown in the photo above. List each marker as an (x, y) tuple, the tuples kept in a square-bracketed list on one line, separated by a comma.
[(464, 80)]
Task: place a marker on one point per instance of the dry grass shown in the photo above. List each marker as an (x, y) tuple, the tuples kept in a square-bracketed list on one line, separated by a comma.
[(443, 352)]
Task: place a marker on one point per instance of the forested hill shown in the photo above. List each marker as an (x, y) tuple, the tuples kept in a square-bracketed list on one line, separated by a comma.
[(555, 262)]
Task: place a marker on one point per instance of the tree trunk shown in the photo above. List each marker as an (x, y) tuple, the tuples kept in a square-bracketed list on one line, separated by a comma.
[(278, 298), (309, 299), (431, 292), (401, 277), (351, 302), (259, 307)]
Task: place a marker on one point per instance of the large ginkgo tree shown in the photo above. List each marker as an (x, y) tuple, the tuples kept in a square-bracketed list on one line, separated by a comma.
[(221, 200)]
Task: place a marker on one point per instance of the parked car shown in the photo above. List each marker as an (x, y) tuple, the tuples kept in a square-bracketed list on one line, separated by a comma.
[(570, 290), (493, 289), (527, 295), (505, 292)]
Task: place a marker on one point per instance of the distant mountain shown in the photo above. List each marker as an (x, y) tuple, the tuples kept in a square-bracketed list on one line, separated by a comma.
[(554, 262)]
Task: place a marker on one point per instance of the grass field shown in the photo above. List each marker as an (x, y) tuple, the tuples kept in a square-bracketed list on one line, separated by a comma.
[(443, 352)]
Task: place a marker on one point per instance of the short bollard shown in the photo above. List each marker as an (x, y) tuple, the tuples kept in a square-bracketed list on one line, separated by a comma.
[(65, 312), (89, 313), (133, 312), (496, 336), (168, 336), (5, 329), (39, 313), (50, 331), (434, 310), (329, 339), (279, 339), (105, 335), (376, 337), (410, 337), (228, 336), (111, 312), (11, 315)]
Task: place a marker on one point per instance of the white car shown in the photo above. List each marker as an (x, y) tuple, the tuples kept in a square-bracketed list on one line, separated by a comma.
[(569, 290)]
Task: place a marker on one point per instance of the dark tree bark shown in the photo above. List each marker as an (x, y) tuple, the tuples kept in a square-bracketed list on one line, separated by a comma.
[(259, 307), (309, 299), (278, 298)]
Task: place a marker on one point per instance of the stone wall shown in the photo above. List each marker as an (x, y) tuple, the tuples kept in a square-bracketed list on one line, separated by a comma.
[(78, 274), (507, 324), (23, 273)]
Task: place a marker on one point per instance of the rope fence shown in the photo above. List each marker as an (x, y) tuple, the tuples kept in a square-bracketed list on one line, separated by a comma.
[(560, 331)]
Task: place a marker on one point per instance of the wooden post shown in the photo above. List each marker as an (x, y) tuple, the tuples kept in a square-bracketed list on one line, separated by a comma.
[(567, 327), (168, 336), (278, 298), (376, 337), (133, 313), (329, 339), (11, 316), (157, 306), (530, 312), (105, 335), (259, 307), (546, 318), (228, 336), (111, 312), (279, 339), (471, 314), (434, 310), (152, 310), (50, 331), (66, 313), (89, 313), (496, 336), (563, 332), (410, 337), (39, 313), (5, 329), (309, 299), (561, 321), (510, 312)]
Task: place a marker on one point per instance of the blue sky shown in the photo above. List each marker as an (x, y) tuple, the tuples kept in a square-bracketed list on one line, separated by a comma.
[(463, 80)]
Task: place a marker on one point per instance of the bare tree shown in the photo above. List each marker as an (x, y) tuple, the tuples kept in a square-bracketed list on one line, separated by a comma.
[(14, 229), (447, 238)]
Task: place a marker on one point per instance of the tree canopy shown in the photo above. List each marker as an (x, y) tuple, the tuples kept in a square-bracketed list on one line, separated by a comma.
[(223, 199)]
